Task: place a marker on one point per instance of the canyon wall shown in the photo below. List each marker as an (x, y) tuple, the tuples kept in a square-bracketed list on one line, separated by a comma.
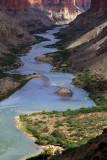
[(22, 12), (85, 4), (62, 10), (97, 5), (82, 3), (17, 19), (15, 4), (86, 38)]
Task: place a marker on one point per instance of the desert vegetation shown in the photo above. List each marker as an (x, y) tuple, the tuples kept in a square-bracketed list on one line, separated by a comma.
[(95, 84), (65, 128)]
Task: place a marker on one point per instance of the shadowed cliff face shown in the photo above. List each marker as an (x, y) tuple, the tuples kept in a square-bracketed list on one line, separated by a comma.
[(15, 4), (86, 38), (85, 4), (62, 10), (99, 5)]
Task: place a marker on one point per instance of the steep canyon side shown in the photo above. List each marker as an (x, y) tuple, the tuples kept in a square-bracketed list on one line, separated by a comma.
[(17, 20), (86, 39)]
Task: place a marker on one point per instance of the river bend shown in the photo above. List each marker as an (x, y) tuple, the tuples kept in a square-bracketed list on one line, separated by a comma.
[(36, 95)]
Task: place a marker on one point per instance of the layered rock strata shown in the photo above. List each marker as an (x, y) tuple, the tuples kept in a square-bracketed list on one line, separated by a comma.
[(63, 10)]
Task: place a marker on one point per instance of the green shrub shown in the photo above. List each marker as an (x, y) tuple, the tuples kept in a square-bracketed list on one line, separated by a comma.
[(44, 155), (56, 133), (57, 151), (46, 129)]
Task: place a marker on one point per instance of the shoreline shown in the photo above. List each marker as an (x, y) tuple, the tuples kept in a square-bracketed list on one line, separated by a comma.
[(19, 126), (42, 148), (83, 114), (58, 65), (17, 117), (21, 81), (16, 62)]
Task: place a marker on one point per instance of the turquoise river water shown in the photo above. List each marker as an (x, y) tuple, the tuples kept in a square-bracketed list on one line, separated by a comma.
[(36, 95)]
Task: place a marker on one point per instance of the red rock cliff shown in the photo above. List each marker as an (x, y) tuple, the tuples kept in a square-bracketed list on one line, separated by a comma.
[(24, 4), (97, 5), (15, 4), (81, 3), (62, 10)]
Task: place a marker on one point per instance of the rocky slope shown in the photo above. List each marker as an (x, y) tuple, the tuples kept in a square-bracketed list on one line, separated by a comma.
[(25, 13), (86, 39), (63, 10), (11, 35), (17, 19)]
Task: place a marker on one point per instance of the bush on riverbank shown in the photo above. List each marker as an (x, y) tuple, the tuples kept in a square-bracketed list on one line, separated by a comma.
[(21, 49)]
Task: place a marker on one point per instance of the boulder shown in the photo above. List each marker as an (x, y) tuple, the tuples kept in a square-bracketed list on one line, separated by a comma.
[(64, 92)]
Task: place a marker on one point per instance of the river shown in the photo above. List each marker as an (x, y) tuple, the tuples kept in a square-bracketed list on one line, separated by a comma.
[(36, 95)]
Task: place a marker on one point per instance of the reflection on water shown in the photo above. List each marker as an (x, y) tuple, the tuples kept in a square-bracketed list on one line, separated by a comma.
[(36, 95)]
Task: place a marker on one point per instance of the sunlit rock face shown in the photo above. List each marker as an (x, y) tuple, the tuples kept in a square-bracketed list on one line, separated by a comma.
[(99, 5), (62, 10), (36, 2)]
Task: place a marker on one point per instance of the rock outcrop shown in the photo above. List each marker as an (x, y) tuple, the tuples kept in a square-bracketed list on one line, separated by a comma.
[(64, 92), (87, 41)]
